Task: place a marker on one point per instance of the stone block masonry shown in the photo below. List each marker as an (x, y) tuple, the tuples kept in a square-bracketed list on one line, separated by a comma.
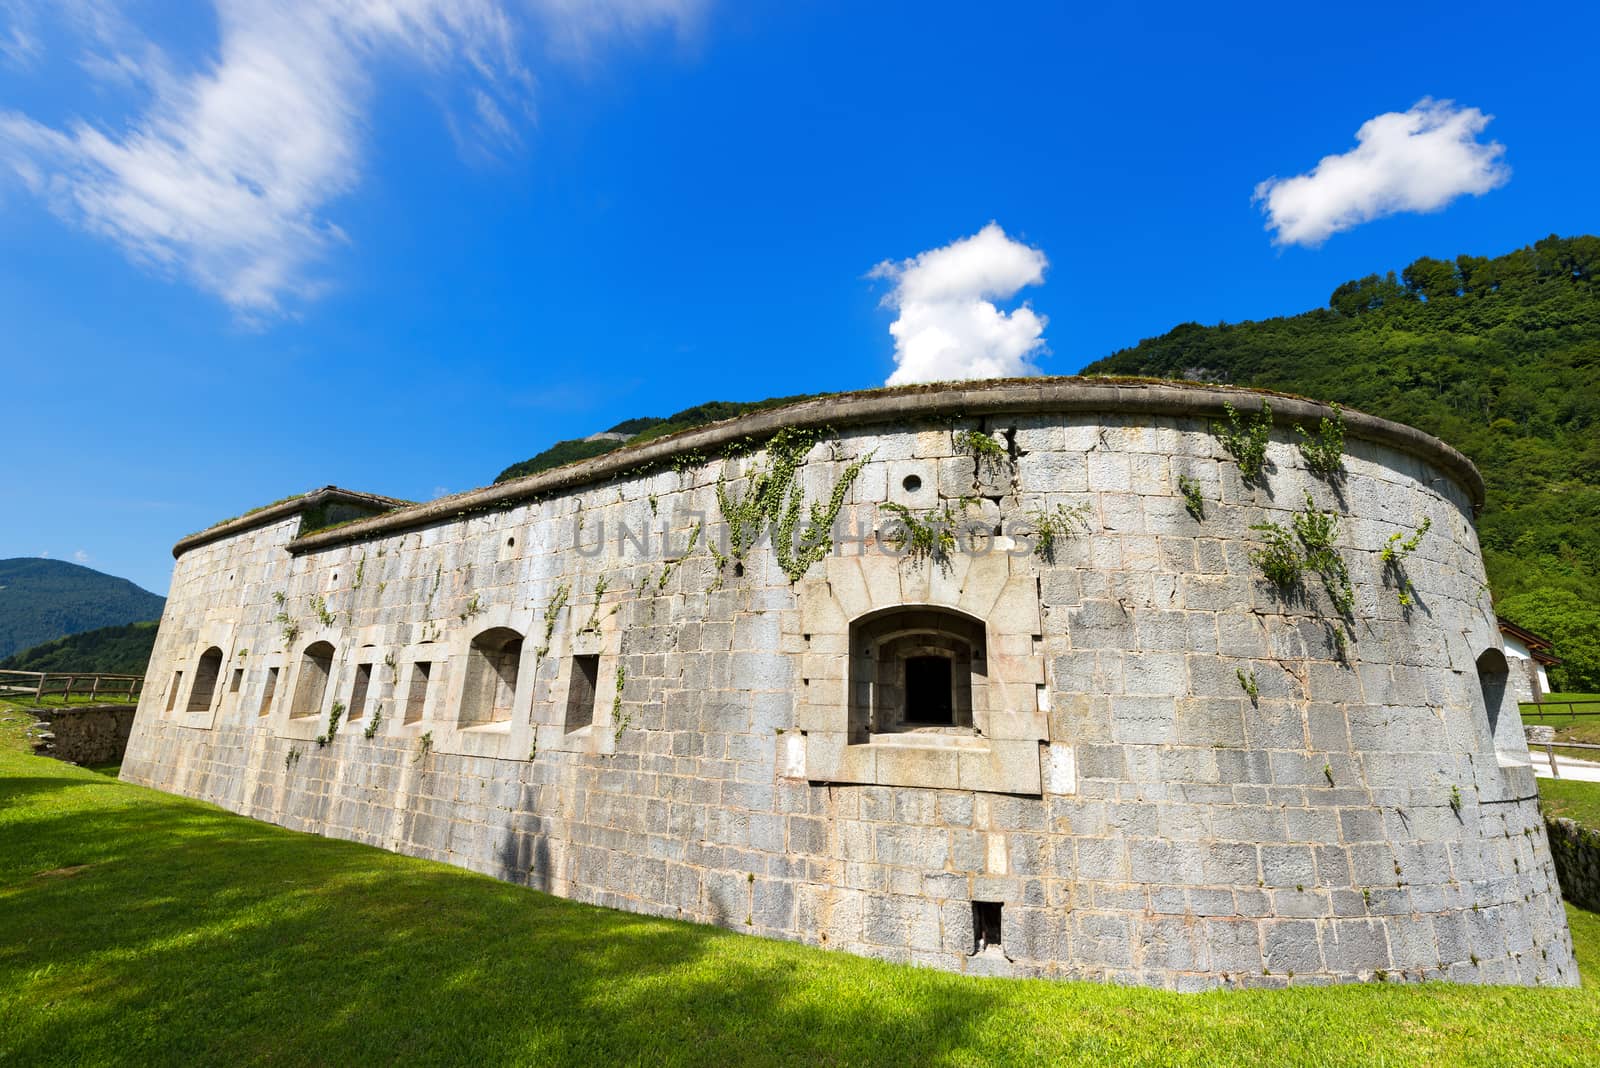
[(1576, 850), (1130, 758), (83, 734)]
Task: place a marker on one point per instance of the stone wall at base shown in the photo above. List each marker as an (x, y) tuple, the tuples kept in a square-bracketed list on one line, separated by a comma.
[(1576, 850), (83, 734), (1175, 774)]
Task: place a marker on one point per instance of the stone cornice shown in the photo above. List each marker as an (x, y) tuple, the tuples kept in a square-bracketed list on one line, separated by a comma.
[(1020, 396)]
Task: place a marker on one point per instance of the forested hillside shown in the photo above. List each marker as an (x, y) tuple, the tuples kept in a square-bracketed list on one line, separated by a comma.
[(41, 600), (123, 650), (1499, 357), (642, 429)]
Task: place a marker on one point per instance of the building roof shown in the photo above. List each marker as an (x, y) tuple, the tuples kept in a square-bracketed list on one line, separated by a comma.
[(1539, 648)]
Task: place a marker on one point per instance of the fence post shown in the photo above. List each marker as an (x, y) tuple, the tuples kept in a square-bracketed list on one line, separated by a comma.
[(38, 691)]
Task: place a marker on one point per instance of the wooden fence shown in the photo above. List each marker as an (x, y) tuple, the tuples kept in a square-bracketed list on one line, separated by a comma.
[(1559, 708), (70, 685)]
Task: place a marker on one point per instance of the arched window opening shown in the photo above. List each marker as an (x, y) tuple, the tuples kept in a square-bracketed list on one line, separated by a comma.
[(205, 680), (915, 669), (1493, 674), (491, 682), (316, 667)]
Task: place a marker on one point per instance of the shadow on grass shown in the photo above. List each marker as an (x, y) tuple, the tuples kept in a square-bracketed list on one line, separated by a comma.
[(184, 939), (141, 928)]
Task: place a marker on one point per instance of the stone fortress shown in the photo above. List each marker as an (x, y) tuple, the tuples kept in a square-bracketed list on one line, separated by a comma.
[(1049, 677)]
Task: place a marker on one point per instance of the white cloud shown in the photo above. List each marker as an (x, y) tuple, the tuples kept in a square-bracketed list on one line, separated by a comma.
[(1416, 160), (82, 557), (227, 176), (949, 327)]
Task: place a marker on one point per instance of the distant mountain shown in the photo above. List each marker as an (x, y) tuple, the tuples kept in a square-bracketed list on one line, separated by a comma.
[(123, 650), (41, 600)]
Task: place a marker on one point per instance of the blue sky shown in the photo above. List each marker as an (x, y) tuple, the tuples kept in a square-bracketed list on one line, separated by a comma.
[(262, 247)]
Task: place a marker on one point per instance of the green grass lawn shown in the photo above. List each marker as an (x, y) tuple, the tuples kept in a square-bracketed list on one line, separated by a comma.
[(1575, 800), (140, 928)]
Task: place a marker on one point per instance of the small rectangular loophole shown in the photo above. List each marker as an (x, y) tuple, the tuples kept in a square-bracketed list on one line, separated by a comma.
[(269, 691), (581, 691), (985, 925)]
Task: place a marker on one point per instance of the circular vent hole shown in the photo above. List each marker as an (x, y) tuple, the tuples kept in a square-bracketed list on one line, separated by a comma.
[(912, 483)]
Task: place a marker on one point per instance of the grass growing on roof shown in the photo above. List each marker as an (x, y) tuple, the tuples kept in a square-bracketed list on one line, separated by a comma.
[(136, 927)]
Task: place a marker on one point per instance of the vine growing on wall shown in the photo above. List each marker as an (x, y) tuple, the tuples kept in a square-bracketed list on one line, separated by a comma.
[(672, 565), (1193, 502), (319, 608), (291, 758), (424, 745), (984, 449), (372, 724), (1283, 557), (1246, 440), (551, 611), (1324, 451), (593, 622), (1060, 523), (774, 498), (286, 624), (335, 714), (619, 722), (1395, 553), (1317, 531), (1277, 557), (921, 538)]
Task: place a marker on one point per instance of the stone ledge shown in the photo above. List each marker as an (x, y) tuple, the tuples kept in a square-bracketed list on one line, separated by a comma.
[(946, 400)]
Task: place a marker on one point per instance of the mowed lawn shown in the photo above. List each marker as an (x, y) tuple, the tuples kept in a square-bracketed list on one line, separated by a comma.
[(138, 928)]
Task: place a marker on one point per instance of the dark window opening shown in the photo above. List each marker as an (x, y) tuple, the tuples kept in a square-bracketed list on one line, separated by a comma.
[(172, 691), (581, 690), (271, 690), (205, 680), (985, 925), (930, 699), (236, 681), (358, 696), (916, 668), (417, 698)]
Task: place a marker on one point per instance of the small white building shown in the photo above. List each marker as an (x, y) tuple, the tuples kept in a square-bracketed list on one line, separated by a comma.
[(1533, 657)]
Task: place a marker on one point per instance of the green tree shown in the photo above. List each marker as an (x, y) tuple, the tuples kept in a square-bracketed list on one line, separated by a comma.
[(1572, 624)]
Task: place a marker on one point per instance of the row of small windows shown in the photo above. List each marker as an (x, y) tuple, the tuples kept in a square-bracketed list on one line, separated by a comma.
[(913, 668), (488, 694)]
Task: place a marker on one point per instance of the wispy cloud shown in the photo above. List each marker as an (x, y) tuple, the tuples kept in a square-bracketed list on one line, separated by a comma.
[(949, 326), (82, 556), (19, 34), (1417, 160), (227, 177)]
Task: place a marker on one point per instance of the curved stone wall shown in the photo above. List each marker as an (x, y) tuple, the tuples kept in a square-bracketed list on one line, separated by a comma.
[(1152, 766)]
